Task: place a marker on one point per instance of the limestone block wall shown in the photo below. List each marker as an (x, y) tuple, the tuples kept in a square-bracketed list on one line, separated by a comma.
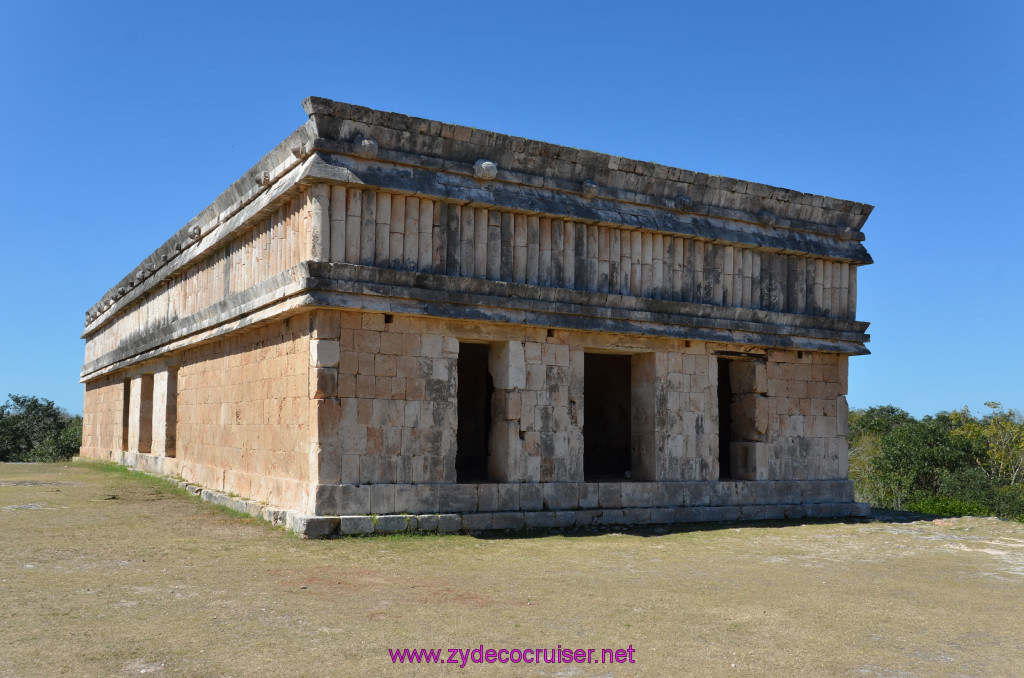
[(808, 416), (244, 415), (677, 438), (384, 398), (103, 416)]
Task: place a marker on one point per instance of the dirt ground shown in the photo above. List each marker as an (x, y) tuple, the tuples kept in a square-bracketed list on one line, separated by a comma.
[(109, 573)]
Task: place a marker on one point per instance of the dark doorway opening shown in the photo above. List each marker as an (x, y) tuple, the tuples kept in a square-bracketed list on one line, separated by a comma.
[(724, 419), (606, 417), (126, 401), (146, 413), (475, 390)]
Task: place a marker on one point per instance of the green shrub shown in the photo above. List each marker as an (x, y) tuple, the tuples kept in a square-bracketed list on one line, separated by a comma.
[(35, 429), (947, 506)]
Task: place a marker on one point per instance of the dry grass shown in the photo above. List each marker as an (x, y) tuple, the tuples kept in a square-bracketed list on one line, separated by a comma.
[(153, 582)]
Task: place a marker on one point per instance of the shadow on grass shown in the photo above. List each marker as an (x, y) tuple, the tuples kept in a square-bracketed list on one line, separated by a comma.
[(662, 530)]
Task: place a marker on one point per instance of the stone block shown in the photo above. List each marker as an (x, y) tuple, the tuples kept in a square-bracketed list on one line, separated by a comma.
[(508, 520), (477, 522), (795, 512), (610, 495), (356, 525), (507, 365), (487, 497), (561, 496), (427, 522), (382, 498), (324, 353), (841, 490), (585, 517), (508, 496), (609, 517), (755, 512), (638, 495), (722, 493), (589, 495), (312, 527), (457, 498), (426, 498), (448, 523), (814, 491), (636, 516), (565, 518), (407, 499), (391, 524), (660, 516), (722, 514), (539, 519), (351, 499), (531, 497), (786, 492), (691, 514)]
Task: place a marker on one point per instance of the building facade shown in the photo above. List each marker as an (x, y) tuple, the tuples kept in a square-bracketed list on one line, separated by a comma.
[(393, 323)]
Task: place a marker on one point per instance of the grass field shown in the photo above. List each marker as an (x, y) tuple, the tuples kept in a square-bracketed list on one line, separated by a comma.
[(104, 572)]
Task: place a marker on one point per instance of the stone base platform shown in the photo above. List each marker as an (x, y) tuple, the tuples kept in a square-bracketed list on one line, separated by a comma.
[(334, 526), (814, 505)]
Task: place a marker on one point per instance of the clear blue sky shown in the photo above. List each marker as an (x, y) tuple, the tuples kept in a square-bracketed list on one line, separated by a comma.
[(121, 121)]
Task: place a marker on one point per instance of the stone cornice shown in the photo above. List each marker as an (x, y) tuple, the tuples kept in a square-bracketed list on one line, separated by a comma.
[(353, 145), (587, 172)]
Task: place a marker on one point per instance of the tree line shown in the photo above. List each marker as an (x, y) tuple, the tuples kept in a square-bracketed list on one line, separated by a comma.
[(950, 463), (35, 429)]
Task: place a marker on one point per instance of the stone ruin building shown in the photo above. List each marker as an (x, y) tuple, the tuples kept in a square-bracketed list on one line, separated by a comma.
[(392, 323)]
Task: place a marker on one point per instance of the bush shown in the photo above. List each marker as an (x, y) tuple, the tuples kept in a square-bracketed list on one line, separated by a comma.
[(35, 429), (948, 464)]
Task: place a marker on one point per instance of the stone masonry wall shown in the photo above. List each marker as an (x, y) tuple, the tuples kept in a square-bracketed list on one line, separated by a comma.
[(244, 417), (102, 416), (808, 415), (386, 398)]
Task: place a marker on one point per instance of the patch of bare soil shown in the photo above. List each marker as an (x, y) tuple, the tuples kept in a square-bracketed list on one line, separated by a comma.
[(110, 574)]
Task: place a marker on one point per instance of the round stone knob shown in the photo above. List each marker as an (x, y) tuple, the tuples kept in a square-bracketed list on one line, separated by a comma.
[(590, 189), (366, 148), (485, 169)]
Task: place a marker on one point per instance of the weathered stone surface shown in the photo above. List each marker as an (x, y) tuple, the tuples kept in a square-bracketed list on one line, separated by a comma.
[(356, 525), (293, 351), (391, 524), (312, 527), (449, 522), (507, 520)]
